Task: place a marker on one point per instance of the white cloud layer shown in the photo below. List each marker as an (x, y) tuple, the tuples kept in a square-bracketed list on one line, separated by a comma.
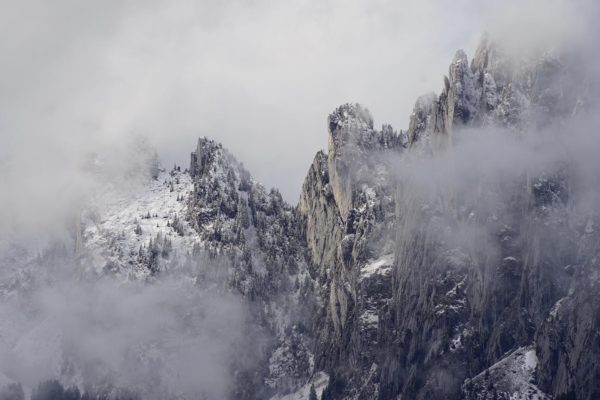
[(260, 76)]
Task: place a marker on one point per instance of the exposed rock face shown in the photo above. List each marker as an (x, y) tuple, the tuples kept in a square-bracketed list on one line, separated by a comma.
[(448, 301), (348, 208), (216, 226), (389, 281), (353, 148), (424, 294), (569, 339)]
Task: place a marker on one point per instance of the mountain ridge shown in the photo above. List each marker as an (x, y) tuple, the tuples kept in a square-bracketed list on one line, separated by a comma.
[(394, 277)]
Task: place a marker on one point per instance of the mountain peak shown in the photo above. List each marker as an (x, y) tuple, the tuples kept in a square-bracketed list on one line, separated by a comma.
[(212, 160), (350, 128), (204, 156), (460, 57), (350, 114)]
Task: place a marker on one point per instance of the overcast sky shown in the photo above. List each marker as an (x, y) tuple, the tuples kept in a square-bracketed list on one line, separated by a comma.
[(260, 76)]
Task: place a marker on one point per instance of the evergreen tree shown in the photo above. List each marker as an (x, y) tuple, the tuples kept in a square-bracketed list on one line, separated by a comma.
[(334, 388), (177, 226), (72, 393), (313, 393), (49, 390), (154, 166), (54, 390), (570, 395)]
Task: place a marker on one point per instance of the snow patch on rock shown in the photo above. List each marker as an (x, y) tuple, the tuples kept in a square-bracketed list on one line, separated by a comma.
[(513, 377), (381, 266), (320, 381)]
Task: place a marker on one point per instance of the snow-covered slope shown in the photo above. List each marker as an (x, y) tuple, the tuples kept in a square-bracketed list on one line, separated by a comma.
[(511, 378), (121, 230)]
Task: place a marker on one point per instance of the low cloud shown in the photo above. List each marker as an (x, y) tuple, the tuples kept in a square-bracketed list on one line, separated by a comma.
[(161, 339)]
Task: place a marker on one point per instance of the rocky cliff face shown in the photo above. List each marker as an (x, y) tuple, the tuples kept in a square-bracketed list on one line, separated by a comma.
[(416, 265), (428, 289), (348, 210), (405, 273)]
